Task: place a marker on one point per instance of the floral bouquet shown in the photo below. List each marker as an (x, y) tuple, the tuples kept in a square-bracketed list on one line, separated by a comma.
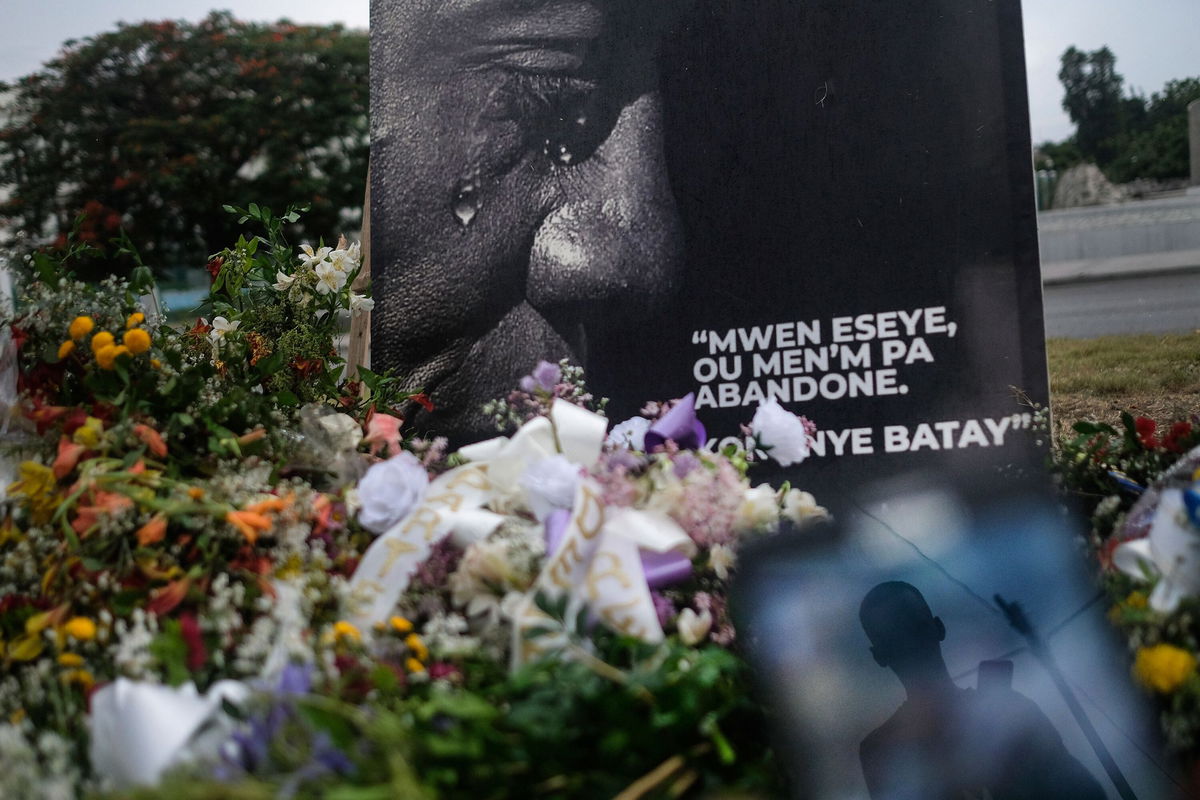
[(1141, 487), (226, 569)]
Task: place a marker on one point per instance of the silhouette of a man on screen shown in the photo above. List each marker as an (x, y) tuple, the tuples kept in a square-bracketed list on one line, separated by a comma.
[(947, 742)]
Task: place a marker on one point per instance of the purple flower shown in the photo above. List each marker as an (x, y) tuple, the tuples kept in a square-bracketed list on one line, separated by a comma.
[(664, 608), (679, 425), (295, 679), (544, 378)]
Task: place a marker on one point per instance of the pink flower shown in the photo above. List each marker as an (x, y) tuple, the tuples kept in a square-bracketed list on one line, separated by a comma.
[(383, 430)]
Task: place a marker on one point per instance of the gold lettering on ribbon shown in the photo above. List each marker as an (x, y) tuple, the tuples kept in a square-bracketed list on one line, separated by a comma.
[(451, 500), (615, 572), (590, 517), (565, 560), (427, 519), (471, 478), (625, 623), (396, 548), (365, 593)]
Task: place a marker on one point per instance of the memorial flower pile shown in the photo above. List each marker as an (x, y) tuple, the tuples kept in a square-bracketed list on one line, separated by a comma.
[(1141, 487), (225, 566)]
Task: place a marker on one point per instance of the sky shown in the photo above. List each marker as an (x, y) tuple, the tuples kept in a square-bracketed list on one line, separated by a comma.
[(1154, 40)]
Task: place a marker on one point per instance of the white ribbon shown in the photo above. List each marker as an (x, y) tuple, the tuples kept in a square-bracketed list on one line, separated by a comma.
[(1171, 552), (453, 505), (139, 730), (597, 564)]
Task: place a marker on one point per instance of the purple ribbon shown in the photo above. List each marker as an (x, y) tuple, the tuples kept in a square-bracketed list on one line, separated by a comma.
[(678, 425), (661, 569)]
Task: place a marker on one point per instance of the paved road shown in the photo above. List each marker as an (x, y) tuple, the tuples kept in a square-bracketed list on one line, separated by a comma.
[(1161, 303)]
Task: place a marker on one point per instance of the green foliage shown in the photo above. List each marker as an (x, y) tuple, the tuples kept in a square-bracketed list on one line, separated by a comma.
[(1092, 98), (152, 126), (554, 729), (1158, 148), (1128, 136)]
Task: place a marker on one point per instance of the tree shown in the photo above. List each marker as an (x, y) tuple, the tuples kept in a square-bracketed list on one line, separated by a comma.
[(154, 126), (1158, 148), (1093, 99)]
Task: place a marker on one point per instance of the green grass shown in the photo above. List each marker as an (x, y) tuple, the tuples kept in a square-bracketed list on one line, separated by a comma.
[(1149, 375)]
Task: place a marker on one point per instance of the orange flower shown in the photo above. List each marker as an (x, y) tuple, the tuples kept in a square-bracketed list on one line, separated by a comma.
[(69, 454), (153, 531), (250, 523), (103, 503), (152, 439), (134, 319), (65, 349), (169, 596), (252, 437), (270, 504)]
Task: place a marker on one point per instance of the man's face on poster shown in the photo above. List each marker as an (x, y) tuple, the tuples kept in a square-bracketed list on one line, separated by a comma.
[(520, 202)]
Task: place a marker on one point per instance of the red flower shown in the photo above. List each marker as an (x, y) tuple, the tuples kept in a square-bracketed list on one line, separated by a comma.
[(19, 336), (189, 629), (214, 267), (1145, 428), (1173, 441), (43, 416), (423, 401), (200, 330)]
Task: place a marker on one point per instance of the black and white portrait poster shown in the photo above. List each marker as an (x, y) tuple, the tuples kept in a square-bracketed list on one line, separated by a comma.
[(826, 202)]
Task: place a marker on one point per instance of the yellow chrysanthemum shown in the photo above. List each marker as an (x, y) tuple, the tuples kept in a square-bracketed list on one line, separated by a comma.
[(89, 433), (154, 362), (65, 349), (134, 319), (80, 628), (1163, 667), (400, 625), (101, 340), (343, 631), (70, 660), (418, 648), (81, 327), (137, 340), (79, 676), (412, 665), (107, 357), (37, 485)]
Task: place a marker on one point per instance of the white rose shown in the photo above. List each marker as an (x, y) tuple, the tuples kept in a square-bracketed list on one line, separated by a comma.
[(693, 627), (759, 509), (801, 507), (550, 484), (782, 432), (390, 490), (631, 433)]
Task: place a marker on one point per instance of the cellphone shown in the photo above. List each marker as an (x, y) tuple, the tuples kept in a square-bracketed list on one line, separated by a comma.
[(892, 672)]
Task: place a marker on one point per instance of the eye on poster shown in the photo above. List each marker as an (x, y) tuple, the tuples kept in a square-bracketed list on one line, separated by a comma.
[(828, 203)]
